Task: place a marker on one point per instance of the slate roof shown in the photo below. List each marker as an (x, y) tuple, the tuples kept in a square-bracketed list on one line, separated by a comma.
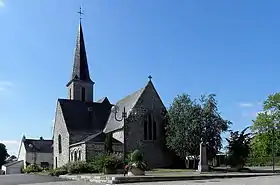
[(128, 102), (12, 163), (34, 145), (98, 137), (80, 68), (83, 116)]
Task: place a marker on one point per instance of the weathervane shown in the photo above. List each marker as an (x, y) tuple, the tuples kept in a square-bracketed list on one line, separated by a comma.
[(81, 13)]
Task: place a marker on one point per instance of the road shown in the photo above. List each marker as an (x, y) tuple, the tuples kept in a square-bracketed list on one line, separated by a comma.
[(26, 179), (47, 180)]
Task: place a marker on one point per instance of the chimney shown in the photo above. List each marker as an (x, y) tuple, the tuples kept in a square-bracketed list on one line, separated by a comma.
[(41, 138), (23, 138)]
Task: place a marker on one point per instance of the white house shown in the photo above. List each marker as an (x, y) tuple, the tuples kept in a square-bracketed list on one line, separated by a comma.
[(32, 151), (12, 167)]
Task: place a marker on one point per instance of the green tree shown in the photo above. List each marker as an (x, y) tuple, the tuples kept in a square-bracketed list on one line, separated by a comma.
[(3, 154), (238, 147), (262, 128), (190, 121)]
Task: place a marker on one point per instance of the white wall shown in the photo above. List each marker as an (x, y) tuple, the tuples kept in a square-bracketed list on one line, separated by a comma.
[(13, 169), (22, 153)]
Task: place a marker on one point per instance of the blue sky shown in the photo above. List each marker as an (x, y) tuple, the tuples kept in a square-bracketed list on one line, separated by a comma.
[(230, 48)]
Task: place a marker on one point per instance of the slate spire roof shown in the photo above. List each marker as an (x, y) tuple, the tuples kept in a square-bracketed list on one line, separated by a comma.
[(80, 68)]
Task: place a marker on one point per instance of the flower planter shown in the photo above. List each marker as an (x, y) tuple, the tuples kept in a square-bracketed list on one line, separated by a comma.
[(110, 171), (136, 172)]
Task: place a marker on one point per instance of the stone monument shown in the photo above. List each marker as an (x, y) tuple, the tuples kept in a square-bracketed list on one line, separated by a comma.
[(203, 161)]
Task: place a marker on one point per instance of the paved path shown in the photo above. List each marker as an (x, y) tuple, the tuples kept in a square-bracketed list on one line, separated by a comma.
[(26, 179)]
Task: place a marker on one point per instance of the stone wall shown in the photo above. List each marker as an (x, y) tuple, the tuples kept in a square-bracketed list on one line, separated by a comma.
[(80, 150), (95, 148), (62, 158), (155, 151)]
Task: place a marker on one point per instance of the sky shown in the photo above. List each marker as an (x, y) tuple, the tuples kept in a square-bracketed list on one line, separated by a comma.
[(230, 48)]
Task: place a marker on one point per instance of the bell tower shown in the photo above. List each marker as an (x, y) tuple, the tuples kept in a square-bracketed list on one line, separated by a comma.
[(80, 86)]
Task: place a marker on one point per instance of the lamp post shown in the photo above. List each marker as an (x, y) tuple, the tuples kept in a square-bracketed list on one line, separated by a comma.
[(273, 145), (123, 118)]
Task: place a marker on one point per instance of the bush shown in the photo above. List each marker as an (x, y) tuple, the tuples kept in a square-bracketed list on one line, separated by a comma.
[(81, 167), (110, 161), (58, 171), (136, 161), (32, 168), (136, 156)]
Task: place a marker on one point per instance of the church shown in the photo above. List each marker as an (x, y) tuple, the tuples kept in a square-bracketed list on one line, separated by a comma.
[(81, 123)]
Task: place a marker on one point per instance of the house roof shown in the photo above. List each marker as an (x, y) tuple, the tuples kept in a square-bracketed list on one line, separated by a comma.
[(87, 117), (128, 103), (38, 145), (12, 163)]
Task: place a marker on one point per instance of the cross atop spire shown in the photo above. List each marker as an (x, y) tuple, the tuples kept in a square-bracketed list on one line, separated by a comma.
[(150, 78), (80, 12)]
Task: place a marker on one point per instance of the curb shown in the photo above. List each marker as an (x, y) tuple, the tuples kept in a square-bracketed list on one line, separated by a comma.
[(135, 179)]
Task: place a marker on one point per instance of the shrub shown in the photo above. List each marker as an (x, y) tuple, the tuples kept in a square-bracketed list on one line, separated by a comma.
[(32, 168), (110, 161), (81, 167), (136, 156), (137, 161)]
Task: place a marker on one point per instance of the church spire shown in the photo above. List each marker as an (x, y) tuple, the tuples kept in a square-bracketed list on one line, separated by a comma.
[(80, 68), (80, 86)]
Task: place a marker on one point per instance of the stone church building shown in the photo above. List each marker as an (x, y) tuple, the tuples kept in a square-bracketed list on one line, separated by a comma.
[(81, 123)]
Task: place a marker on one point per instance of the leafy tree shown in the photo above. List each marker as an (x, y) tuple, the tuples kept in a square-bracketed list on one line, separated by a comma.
[(238, 147), (190, 121), (3, 154), (263, 126)]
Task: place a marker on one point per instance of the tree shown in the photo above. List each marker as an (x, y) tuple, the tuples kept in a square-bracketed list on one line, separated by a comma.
[(190, 121), (238, 147), (262, 128), (3, 154)]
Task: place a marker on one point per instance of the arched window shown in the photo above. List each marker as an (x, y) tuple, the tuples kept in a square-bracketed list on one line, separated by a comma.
[(59, 144), (80, 153), (83, 94), (150, 130), (75, 156), (71, 156)]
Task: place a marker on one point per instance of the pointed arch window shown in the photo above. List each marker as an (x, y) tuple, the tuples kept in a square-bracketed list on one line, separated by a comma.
[(80, 157), (75, 156), (59, 144), (150, 130), (83, 94)]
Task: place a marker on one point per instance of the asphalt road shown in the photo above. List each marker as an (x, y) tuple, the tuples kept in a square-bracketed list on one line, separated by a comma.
[(26, 179)]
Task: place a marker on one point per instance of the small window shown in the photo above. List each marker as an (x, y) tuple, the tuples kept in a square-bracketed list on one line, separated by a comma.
[(45, 164), (150, 130), (83, 94), (75, 156), (59, 144), (70, 93), (80, 157)]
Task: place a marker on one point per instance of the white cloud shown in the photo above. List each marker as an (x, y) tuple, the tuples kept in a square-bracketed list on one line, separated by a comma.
[(246, 104), (2, 3), (4, 85), (11, 145)]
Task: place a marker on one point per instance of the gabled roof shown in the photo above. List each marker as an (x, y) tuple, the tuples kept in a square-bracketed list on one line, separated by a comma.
[(80, 68), (128, 102), (38, 145), (83, 116), (12, 163)]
